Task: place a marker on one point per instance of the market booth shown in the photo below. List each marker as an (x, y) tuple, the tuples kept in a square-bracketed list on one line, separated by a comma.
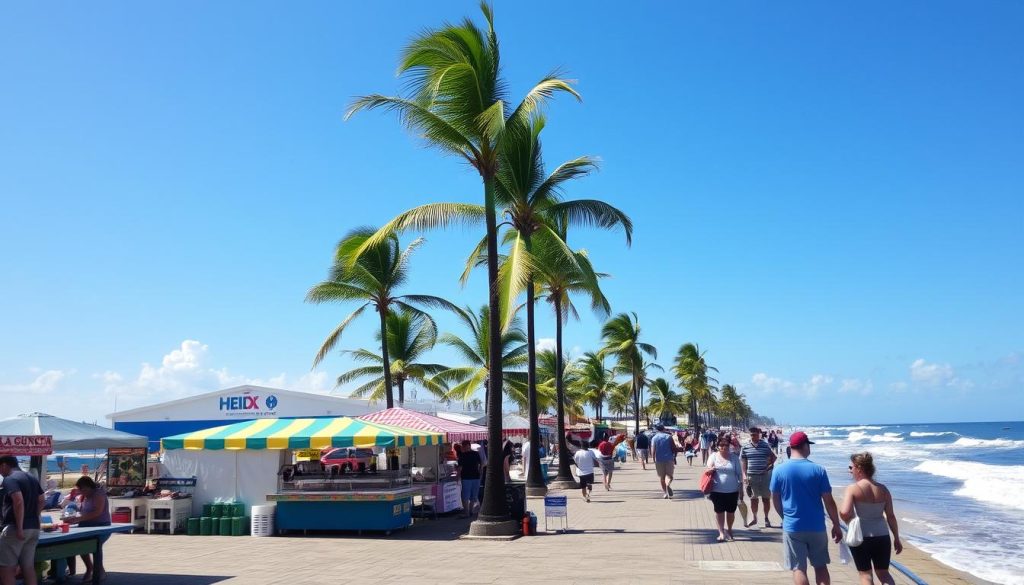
[(437, 477), (259, 461)]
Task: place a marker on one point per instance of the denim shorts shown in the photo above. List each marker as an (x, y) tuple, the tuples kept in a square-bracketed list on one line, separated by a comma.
[(470, 490), (798, 547)]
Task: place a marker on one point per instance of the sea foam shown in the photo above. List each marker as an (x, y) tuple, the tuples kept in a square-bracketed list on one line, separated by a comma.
[(997, 443), (993, 484), (927, 434)]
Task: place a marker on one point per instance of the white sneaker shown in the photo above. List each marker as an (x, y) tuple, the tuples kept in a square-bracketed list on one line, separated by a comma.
[(665, 497)]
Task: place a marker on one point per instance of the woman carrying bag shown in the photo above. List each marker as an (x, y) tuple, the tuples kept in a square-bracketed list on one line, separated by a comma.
[(726, 490), (867, 509)]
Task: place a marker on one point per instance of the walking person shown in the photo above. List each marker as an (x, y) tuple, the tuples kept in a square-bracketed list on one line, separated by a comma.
[(22, 501), (643, 445), (606, 457), (801, 491), (705, 443), (470, 469), (758, 458), (585, 461), (727, 490), (871, 501), (665, 450)]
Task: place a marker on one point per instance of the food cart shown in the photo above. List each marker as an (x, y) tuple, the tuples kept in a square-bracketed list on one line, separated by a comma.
[(238, 461), (437, 479)]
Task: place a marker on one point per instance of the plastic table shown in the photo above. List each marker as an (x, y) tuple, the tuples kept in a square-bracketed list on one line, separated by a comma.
[(58, 546)]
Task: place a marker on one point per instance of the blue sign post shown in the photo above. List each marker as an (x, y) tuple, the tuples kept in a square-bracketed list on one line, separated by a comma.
[(556, 507)]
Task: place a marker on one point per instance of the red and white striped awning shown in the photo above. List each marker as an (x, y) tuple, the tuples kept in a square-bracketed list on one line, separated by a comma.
[(411, 419)]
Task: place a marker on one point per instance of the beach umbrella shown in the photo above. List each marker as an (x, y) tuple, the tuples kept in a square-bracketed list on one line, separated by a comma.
[(69, 435)]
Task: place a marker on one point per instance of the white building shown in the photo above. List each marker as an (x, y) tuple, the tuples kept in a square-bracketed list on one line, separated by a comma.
[(232, 405)]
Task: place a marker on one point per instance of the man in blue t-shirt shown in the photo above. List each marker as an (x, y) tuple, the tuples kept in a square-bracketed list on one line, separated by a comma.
[(799, 488), (664, 448)]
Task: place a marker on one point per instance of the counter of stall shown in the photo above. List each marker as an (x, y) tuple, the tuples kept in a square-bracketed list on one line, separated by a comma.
[(320, 473), (433, 467)]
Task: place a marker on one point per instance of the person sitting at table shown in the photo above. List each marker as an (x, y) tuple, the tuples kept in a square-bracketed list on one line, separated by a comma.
[(95, 511)]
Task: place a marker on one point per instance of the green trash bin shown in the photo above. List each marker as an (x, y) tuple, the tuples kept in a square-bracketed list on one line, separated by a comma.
[(225, 526), (193, 527), (237, 510), (238, 525), (217, 510), (205, 526), (207, 510)]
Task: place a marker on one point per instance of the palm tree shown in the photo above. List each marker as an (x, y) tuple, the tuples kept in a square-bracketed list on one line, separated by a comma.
[(410, 335), (560, 278), (594, 381), (547, 372), (465, 381), (691, 370), (458, 104), (664, 401), (621, 337), (372, 279), (532, 205)]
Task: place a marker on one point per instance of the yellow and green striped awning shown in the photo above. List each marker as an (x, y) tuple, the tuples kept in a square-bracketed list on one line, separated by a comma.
[(301, 433)]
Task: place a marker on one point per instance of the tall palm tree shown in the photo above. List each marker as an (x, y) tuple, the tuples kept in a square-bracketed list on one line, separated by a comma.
[(465, 381), (532, 205), (372, 279), (410, 336), (691, 370), (594, 381), (665, 401), (560, 279), (458, 104), (621, 336)]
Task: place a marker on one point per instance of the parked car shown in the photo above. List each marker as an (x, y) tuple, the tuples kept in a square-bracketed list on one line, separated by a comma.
[(346, 460)]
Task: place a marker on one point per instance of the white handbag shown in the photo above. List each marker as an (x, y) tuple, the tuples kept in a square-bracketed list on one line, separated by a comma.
[(854, 536)]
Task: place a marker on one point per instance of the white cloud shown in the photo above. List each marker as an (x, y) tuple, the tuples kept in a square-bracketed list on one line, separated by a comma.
[(186, 370), (546, 344), (769, 385), (930, 374), (45, 382), (933, 375), (898, 386), (855, 386)]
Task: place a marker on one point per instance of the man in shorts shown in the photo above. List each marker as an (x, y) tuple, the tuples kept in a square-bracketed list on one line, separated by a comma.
[(757, 458), (22, 500), (799, 488), (664, 447), (585, 461), (470, 470), (643, 445)]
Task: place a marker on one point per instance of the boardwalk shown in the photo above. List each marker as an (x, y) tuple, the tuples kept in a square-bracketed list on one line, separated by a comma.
[(627, 536)]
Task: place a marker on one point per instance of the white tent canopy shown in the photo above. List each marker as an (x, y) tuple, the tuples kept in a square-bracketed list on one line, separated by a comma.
[(69, 435)]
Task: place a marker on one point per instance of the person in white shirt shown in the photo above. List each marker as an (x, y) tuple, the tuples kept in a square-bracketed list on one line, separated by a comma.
[(585, 460), (526, 460)]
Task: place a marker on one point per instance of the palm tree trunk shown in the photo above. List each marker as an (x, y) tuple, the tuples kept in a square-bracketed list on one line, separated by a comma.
[(535, 484), (401, 390), (564, 460), (493, 508), (636, 405), (390, 396)]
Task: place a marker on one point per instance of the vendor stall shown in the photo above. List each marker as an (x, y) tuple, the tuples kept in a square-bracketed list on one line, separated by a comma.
[(436, 476), (237, 461)]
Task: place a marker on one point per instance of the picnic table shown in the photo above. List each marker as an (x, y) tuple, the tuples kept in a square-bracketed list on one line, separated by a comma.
[(58, 546)]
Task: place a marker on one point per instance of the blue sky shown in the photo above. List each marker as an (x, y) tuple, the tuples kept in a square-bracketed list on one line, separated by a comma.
[(826, 198)]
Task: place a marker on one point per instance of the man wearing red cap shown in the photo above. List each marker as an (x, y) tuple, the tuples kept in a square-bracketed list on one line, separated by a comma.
[(799, 488)]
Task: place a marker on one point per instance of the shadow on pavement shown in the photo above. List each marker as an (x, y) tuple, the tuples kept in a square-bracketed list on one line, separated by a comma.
[(708, 535), (133, 579)]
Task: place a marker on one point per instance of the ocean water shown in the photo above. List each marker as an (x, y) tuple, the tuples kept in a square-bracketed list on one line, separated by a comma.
[(958, 488)]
